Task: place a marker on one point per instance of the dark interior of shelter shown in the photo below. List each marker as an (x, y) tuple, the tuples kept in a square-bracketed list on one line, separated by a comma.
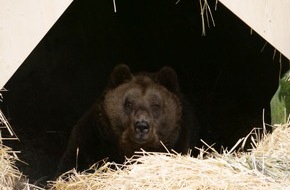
[(224, 74)]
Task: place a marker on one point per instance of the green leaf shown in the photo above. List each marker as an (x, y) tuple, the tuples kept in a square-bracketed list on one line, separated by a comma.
[(280, 103)]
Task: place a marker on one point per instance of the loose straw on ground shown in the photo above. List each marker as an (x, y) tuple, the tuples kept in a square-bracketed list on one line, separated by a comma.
[(10, 176), (265, 167), (8, 172)]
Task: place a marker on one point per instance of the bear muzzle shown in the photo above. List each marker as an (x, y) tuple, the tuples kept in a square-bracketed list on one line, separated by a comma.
[(141, 127)]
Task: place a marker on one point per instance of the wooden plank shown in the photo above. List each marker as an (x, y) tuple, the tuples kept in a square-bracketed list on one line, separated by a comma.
[(23, 23), (269, 18)]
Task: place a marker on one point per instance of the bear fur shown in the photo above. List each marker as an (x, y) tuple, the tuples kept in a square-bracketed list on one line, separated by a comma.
[(135, 111)]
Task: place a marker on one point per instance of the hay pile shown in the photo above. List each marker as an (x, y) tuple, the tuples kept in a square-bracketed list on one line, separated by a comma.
[(10, 176), (9, 173), (272, 155), (265, 167)]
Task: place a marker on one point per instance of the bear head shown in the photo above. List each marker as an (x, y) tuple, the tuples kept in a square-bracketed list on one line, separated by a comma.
[(143, 109)]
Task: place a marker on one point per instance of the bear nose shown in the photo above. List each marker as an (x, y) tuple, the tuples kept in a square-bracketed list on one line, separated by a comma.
[(141, 127)]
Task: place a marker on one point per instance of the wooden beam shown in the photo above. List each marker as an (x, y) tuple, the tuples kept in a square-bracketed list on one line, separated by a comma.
[(269, 18), (23, 23)]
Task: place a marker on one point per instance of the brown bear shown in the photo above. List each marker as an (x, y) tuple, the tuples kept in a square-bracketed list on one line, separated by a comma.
[(135, 111)]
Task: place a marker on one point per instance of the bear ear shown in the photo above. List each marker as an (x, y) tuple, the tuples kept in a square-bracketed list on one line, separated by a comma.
[(167, 77), (120, 74)]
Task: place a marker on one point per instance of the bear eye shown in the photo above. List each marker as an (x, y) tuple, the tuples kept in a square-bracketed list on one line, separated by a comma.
[(128, 104), (155, 107)]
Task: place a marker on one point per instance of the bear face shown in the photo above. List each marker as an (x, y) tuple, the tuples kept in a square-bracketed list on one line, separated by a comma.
[(135, 111), (142, 111)]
